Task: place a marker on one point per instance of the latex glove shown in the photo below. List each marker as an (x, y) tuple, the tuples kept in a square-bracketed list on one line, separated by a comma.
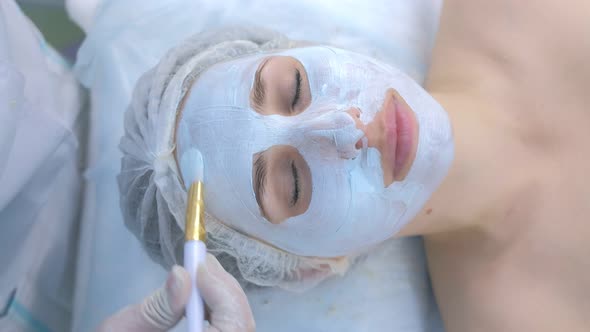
[(224, 298)]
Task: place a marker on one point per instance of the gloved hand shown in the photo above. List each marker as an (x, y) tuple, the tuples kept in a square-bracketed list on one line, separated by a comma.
[(224, 298)]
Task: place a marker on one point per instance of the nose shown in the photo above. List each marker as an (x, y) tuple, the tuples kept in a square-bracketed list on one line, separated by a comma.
[(335, 130), (376, 130), (370, 130), (355, 113)]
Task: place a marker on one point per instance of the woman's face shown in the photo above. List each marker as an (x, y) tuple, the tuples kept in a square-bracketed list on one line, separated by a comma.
[(318, 151)]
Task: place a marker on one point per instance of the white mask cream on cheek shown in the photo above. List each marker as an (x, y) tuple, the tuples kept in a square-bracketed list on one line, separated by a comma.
[(349, 210)]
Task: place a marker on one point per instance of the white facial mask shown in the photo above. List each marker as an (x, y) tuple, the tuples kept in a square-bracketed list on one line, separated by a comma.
[(350, 209)]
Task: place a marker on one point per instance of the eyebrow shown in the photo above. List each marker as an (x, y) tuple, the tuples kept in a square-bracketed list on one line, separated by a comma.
[(258, 94), (260, 180)]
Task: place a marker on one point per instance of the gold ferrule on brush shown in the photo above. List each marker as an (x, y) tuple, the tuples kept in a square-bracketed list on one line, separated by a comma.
[(195, 213)]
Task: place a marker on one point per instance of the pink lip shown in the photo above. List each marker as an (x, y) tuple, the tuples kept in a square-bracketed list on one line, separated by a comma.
[(400, 135)]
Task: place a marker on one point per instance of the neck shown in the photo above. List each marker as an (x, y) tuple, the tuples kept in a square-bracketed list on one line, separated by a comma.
[(493, 142), (486, 143)]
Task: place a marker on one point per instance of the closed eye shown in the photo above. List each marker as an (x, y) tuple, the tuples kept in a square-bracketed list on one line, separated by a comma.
[(282, 183), (280, 86), (295, 194), (297, 95)]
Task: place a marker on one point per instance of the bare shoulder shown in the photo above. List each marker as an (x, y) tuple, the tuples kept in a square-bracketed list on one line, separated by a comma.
[(522, 40), (528, 270), (522, 265)]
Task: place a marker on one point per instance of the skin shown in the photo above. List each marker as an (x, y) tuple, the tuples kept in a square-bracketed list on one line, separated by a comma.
[(277, 201), (507, 233), (276, 90)]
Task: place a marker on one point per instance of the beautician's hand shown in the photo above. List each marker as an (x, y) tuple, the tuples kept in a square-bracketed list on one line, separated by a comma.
[(225, 300)]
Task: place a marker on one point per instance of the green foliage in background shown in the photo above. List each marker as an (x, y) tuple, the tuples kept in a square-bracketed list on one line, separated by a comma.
[(55, 25)]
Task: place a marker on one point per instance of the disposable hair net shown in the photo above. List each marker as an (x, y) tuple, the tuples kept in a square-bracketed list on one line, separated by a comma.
[(153, 198)]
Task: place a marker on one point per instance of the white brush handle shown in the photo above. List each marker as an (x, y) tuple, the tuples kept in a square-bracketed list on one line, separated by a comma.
[(194, 255)]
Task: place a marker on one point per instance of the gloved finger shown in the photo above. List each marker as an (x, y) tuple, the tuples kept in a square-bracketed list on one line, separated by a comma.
[(158, 312), (227, 303)]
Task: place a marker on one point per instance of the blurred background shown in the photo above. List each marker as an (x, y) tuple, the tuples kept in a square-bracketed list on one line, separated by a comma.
[(59, 31)]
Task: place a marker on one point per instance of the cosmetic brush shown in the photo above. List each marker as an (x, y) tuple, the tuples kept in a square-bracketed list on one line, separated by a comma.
[(191, 164)]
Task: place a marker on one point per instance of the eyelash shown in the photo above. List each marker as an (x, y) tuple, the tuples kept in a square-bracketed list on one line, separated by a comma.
[(295, 197), (297, 89)]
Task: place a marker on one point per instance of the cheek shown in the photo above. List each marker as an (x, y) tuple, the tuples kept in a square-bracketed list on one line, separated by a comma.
[(343, 86)]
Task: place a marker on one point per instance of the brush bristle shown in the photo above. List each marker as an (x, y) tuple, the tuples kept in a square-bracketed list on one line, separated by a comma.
[(191, 166)]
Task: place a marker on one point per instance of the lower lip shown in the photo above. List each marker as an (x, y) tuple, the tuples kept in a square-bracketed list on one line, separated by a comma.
[(402, 143), (405, 138)]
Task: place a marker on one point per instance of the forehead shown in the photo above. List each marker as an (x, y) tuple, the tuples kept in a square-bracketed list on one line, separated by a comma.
[(309, 55), (229, 83)]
